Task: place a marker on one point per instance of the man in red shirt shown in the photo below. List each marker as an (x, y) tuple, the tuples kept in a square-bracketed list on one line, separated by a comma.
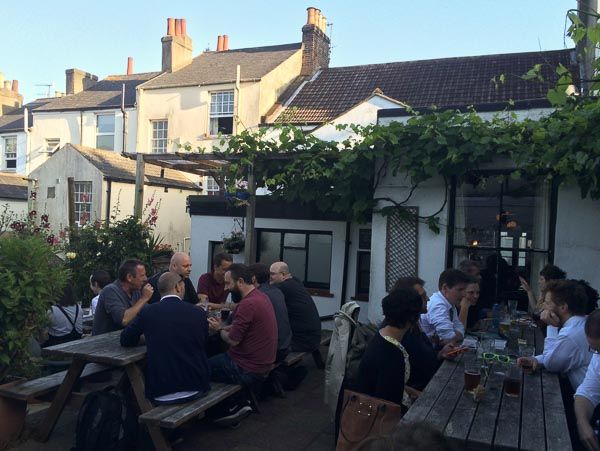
[(211, 285), (252, 339)]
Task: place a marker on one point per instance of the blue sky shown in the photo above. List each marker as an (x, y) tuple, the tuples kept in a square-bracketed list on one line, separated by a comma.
[(43, 38)]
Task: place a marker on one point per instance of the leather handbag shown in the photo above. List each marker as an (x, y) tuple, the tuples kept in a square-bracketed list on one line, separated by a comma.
[(364, 416)]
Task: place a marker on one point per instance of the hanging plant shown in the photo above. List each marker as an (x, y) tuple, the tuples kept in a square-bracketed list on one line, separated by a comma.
[(234, 243)]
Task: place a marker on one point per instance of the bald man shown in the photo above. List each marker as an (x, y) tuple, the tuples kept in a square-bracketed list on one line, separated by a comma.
[(181, 264)]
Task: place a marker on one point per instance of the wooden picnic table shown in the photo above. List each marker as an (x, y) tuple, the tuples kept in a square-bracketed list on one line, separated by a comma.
[(533, 421), (105, 349)]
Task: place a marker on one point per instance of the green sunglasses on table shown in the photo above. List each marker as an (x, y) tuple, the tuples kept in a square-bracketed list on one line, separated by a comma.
[(498, 357)]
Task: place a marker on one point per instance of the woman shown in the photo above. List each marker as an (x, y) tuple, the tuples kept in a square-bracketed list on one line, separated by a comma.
[(98, 280), (385, 367), (548, 273), (469, 314), (66, 319)]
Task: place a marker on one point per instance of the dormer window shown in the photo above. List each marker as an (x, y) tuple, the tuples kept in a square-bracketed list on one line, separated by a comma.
[(221, 113)]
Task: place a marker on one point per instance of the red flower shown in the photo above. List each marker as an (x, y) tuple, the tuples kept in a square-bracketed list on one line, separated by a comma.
[(33, 195), (32, 213), (44, 218), (50, 239)]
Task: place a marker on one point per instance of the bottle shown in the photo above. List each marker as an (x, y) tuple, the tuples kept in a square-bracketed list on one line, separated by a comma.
[(496, 315)]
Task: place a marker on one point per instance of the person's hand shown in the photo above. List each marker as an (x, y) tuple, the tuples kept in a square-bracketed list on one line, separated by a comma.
[(525, 285), (529, 364), (588, 437), (147, 292), (412, 393), (550, 318), (447, 349), (214, 324), (212, 306), (465, 303)]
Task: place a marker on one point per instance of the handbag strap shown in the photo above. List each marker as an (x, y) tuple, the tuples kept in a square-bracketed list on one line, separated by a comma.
[(64, 312)]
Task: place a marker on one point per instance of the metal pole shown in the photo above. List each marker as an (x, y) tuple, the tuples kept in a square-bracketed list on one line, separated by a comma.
[(139, 186), (250, 247)]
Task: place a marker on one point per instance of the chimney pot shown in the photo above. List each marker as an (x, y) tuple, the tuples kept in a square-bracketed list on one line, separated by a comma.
[(219, 43), (170, 26), (129, 65), (225, 42), (311, 15), (177, 27), (15, 86), (317, 17), (183, 27), (324, 24)]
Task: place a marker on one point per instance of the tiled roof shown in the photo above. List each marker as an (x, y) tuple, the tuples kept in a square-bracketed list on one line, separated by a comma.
[(117, 167), (13, 121), (13, 186), (106, 94), (439, 82), (220, 67)]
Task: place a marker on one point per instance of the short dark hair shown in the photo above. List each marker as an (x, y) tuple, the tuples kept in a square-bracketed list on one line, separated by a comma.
[(68, 297), (592, 296), (592, 325), (101, 278), (471, 280), (568, 292), (464, 265), (239, 271), (402, 307), (552, 272), (260, 271), (220, 258), (452, 277), (408, 437), (128, 267), (408, 282)]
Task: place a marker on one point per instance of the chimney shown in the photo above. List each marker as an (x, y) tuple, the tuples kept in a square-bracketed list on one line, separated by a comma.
[(129, 65), (225, 42), (15, 86), (219, 43), (176, 46), (79, 80), (315, 42), (10, 99)]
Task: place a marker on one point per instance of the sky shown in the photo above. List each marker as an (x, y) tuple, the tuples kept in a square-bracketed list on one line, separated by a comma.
[(41, 38)]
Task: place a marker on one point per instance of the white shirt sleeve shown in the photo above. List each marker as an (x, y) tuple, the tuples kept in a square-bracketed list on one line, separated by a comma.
[(561, 354), (439, 318), (94, 304), (590, 387), (458, 325)]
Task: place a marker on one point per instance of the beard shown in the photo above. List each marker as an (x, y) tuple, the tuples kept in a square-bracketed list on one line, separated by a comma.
[(236, 296)]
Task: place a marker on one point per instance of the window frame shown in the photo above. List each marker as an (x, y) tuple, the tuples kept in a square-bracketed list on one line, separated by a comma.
[(209, 189), (5, 158), (98, 134), (362, 295), (48, 143), (153, 141), (78, 204), (216, 115)]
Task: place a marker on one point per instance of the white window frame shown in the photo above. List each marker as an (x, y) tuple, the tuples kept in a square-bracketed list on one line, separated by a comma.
[(159, 144), (13, 153), (52, 144), (222, 104), (83, 202), (212, 187), (106, 133)]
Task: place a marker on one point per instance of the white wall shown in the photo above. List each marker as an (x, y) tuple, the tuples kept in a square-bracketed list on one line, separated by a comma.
[(18, 207), (212, 228)]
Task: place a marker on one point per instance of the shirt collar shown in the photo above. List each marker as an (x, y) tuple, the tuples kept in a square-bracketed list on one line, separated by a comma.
[(170, 296), (574, 321)]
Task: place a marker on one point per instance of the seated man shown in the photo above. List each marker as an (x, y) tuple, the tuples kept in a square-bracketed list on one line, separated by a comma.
[(565, 349), (441, 322), (121, 301), (252, 340), (175, 332), (181, 263), (211, 285), (260, 273), (304, 317)]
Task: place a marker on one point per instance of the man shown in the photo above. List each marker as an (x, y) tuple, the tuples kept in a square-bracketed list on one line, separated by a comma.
[(441, 322), (181, 264), (260, 279), (303, 315), (211, 285), (175, 332), (121, 301), (252, 339), (98, 280), (587, 396), (565, 349)]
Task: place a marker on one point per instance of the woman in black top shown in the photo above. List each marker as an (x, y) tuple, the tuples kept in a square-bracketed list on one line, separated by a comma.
[(384, 368)]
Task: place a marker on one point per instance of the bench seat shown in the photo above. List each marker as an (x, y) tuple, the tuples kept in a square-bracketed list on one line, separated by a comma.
[(293, 358), (174, 415), (37, 387)]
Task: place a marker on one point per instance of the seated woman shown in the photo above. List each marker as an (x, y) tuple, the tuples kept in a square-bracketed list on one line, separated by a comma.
[(469, 313), (548, 273), (385, 367), (66, 319)]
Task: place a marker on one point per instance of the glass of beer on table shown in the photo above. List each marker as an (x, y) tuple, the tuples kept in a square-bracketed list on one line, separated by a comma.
[(512, 380), (472, 374)]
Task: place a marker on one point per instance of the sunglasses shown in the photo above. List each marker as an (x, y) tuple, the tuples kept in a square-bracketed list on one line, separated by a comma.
[(498, 357)]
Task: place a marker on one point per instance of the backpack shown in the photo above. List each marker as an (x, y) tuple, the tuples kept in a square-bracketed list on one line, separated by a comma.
[(358, 344), (105, 423)]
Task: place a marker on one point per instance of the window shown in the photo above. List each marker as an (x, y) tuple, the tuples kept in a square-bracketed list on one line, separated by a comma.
[(363, 264), (221, 113), (83, 202), (105, 131), (51, 193), (52, 144), (308, 254), (211, 188), (159, 136), (10, 152)]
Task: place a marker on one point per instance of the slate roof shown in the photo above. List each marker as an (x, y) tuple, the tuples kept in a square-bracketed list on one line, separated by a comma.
[(13, 121), (220, 67), (106, 94), (422, 84), (13, 186), (119, 168)]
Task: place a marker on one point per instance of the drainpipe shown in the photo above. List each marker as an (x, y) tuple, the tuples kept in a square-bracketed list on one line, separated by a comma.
[(27, 137), (237, 96), (81, 128), (124, 146), (346, 254), (108, 199)]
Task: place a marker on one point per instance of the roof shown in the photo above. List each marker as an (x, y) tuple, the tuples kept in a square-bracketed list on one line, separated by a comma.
[(220, 67), (106, 94), (425, 83), (13, 186), (116, 167), (13, 121)]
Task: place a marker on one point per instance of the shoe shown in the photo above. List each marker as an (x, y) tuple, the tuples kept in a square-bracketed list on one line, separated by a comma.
[(234, 416)]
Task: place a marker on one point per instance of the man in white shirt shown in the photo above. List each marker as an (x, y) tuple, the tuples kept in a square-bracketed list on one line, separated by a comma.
[(441, 322), (587, 396), (565, 347)]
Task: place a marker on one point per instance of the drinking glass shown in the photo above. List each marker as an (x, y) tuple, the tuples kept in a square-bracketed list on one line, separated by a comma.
[(472, 375), (512, 308), (512, 380)]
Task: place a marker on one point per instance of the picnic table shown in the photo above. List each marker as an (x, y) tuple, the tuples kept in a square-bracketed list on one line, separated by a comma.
[(535, 420), (104, 349)]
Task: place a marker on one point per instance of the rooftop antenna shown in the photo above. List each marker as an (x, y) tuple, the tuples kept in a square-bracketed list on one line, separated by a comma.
[(330, 26), (48, 89)]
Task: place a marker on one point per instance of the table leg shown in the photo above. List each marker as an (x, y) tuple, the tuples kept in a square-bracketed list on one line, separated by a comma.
[(137, 384), (60, 399)]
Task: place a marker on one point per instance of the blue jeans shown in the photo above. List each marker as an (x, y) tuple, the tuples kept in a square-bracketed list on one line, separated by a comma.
[(225, 370)]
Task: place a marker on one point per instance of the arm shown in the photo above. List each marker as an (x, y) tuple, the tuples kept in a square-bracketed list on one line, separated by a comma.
[(216, 326), (464, 312), (130, 336), (439, 317), (389, 384), (132, 312), (530, 296), (584, 410)]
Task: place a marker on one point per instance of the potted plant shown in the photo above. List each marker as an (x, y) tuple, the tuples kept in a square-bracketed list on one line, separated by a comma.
[(234, 243)]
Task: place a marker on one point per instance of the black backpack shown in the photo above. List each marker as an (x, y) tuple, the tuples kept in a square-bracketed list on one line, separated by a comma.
[(105, 423)]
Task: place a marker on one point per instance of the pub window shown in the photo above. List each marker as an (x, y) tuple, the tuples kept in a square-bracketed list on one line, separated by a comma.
[(363, 264)]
